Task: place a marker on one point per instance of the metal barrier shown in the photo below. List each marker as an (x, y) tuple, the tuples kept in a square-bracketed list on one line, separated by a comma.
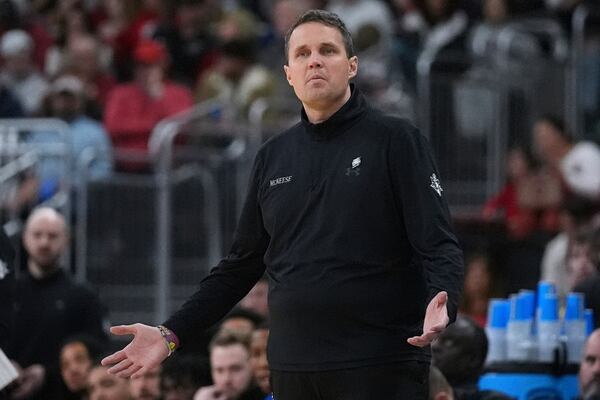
[(42, 149), (471, 113), (584, 83)]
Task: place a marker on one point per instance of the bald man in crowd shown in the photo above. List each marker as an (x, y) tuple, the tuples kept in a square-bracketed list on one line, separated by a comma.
[(49, 307), (589, 370)]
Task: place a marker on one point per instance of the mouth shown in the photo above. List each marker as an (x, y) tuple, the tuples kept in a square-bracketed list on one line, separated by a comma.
[(316, 78)]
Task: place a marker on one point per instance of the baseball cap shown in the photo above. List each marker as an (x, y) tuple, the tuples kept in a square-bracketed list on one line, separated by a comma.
[(150, 52), (69, 84)]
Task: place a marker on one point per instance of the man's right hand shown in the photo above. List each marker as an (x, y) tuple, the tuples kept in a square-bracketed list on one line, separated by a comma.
[(146, 351)]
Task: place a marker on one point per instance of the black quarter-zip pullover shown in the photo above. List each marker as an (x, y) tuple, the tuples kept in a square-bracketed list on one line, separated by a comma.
[(349, 218)]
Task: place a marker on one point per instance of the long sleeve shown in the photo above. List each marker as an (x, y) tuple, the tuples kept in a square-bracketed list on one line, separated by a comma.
[(233, 277), (425, 211)]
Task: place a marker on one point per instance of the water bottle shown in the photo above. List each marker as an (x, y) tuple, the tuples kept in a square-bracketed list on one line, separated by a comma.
[(543, 288), (498, 314), (548, 330), (519, 343), (574, 327), (589, 321)]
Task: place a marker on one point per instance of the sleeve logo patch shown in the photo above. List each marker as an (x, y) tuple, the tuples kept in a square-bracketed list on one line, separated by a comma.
[(435, 185)]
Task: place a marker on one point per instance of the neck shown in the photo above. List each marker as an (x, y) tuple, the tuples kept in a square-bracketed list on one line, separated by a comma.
[(39, 272), (318, 113)]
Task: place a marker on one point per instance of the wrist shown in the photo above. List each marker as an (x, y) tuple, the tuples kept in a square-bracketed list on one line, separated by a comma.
[(171, 340)]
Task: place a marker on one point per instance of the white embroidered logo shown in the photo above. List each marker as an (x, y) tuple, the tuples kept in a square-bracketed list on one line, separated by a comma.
[(279, 181), (435, 185), (3, 269), (354, 170), (356, 162)]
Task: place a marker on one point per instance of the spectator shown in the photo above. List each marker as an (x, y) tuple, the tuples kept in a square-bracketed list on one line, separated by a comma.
[(460, 353), (236, 79), (133, 109), (182, 375), (49, 307), (576, 163), (19, 73), (77, 355), (258, 359), (146, 386), (528, 201), (231, 370), (590, 286), (580, 260), (589, 370), (104, 386), (480, 286), (257, 298), (439, 388), (189, 40), (241, 320), (88, 59), (576, 212)]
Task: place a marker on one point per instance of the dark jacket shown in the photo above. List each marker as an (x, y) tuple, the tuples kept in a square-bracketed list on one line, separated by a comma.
[(350, 220)]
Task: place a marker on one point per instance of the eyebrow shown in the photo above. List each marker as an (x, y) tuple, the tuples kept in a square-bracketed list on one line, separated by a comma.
[(322, 44)]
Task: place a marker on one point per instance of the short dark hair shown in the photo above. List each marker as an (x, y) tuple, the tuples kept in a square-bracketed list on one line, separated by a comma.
[(559, 126), (325, 18)]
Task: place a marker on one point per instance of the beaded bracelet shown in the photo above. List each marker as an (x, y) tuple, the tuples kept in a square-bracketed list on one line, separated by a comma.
[(171, 339)]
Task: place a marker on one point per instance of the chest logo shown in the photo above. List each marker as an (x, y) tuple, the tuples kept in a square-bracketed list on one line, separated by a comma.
[(435, 185), (281, 180), (354, 170)]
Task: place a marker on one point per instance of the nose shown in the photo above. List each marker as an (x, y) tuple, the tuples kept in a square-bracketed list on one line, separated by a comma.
[(315, 62)]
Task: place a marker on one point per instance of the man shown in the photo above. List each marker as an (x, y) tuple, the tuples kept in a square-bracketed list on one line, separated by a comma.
[(346, 212), (133, 109), (439, 388), (459, 353), (76, 359), (146, 386), (231, 370), (589, 370), (105, 386), (182, 375), (49, 307)]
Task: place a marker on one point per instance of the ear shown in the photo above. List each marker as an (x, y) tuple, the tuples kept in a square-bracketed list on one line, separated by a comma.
[(352, 67), (286, 70)]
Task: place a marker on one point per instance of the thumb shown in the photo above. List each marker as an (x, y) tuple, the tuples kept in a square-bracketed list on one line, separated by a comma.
[(441, 298), (123, 330)]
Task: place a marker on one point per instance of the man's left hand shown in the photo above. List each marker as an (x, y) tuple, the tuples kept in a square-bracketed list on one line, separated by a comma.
[(436, 319)]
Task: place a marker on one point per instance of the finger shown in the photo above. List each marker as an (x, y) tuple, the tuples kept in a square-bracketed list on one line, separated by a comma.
[(415, 341), (142, 371), (129, 371), (123, 330), (441, 298), (123, 365), (114, 358)]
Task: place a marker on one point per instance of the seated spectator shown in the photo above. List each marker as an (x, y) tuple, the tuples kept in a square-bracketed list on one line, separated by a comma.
[(182, 375), (189, 39), (19, 73), (528, 202), (589, 369), (580, 260), (479, 287), (103, 386), (134, 109), (49, 307), (231, 370), (88, 59), (76, 359), (459, 353), (236, 79), (439, 388), (258, 359), (576, 163), (240, 320), (146, 386), (590, 286)]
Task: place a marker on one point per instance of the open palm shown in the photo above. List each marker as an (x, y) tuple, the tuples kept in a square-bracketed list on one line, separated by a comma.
[(436, 319), (147, 350)]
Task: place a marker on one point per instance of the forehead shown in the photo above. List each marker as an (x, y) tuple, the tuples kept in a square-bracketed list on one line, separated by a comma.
[(593, 345), (45, 223), (223, 356), (74, 348), (315, 33)]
